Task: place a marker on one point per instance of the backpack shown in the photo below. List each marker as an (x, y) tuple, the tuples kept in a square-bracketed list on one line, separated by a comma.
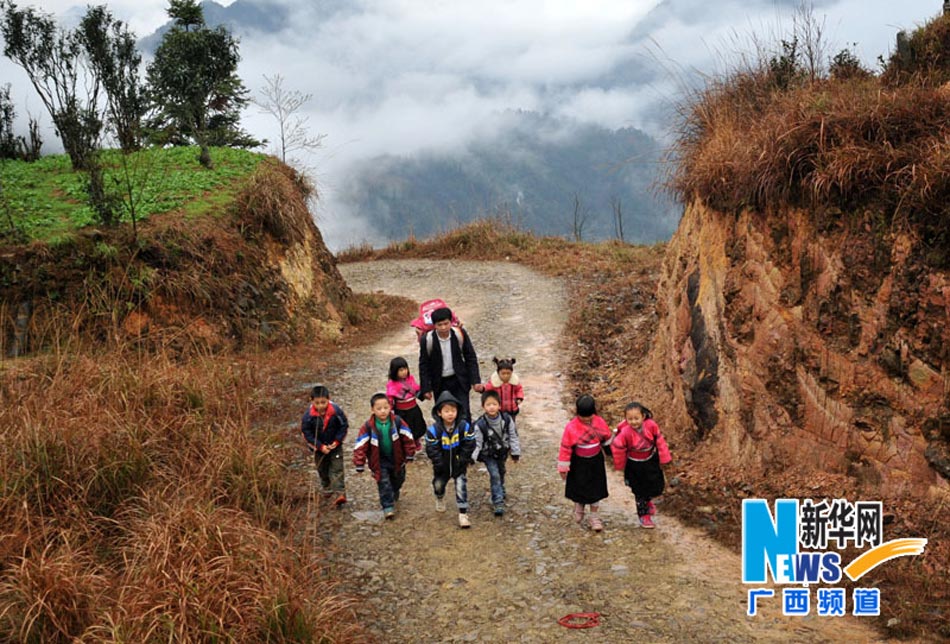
[(424, 321), (495, 445), (459, 334)]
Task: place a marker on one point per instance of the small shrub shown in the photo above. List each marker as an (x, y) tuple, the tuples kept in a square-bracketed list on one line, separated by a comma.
[(846, 66), (352, 312)]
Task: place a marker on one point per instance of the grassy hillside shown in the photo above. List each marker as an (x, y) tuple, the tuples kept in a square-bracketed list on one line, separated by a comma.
[(149, 487), (232, 251), (46, 200)]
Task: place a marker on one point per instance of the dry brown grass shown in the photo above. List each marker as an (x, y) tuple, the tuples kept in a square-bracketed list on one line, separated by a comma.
[(148, 497), (493, 239), (271, 202), (829, 145)]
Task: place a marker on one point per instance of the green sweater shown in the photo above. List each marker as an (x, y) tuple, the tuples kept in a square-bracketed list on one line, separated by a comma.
[(385, 440)]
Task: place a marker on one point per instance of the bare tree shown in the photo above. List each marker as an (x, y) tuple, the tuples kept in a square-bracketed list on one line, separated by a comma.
[(809, 31), (580, 218), (29, 149), (617, 206), (283, 105), (136, 185)]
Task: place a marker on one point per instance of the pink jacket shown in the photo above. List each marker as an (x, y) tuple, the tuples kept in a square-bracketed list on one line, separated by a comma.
[(584, 439), (638, 445), (402, 393)]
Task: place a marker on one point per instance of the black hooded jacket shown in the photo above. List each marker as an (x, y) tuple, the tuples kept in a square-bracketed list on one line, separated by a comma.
[(449, 450)]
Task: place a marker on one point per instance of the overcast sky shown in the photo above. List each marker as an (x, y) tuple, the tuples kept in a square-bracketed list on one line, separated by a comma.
[(403, 76)]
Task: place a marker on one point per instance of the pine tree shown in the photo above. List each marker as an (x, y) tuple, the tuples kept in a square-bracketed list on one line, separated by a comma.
[(194, 87)]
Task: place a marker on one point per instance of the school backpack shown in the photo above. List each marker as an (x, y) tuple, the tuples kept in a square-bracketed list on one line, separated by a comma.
[(495, 445), (459, 334), (424, 321)]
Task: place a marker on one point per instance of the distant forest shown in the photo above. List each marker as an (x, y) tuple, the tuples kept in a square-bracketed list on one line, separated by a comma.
[(537, 171)]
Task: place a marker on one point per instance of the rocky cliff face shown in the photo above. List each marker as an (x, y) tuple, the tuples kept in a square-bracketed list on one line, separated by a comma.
[(781, 343)]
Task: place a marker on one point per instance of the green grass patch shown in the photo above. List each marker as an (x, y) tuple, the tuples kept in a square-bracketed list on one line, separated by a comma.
[(46, 200)]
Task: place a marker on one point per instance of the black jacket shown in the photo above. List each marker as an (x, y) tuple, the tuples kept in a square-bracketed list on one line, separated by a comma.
[(430, 363), (450, 451), (328, 429)]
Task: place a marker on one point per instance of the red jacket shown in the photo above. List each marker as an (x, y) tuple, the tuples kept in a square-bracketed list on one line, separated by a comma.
[(639, 445), (367, 445), (511, 392), (584, 439)]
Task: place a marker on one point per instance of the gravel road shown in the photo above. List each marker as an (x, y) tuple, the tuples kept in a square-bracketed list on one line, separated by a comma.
[(423, 579)]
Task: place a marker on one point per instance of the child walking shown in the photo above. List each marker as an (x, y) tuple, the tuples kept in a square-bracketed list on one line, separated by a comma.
[(495, 438), (638, 450), (324, 427), (402, 390), (581, 461), (504, 380), (450, 443), (386, 443)]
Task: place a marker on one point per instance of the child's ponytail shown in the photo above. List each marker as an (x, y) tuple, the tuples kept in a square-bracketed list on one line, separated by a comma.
[(646, 413)]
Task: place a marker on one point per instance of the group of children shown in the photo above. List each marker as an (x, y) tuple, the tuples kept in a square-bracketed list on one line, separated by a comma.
[(637, 447), (396, 429)]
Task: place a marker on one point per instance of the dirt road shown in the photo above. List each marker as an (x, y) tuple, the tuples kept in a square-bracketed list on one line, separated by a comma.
[(511, 578)]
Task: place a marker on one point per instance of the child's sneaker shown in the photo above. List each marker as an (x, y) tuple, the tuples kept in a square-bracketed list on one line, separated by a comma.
[(499, 510), (646, 521), (463, 520), (595, 523), (389, 513), (340, 500), (651, 509), (439, 504)]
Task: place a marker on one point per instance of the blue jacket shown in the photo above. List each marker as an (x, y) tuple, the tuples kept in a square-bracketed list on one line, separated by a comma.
[(329, 429), (450, 451)]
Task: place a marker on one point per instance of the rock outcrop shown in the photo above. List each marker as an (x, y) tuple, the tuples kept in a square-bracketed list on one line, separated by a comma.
[(781, 343)]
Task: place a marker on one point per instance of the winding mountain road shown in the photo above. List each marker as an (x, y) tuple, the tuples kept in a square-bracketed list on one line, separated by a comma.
[(510, 578)]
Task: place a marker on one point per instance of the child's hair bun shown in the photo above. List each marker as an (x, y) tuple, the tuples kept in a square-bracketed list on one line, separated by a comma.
[(504, 363)]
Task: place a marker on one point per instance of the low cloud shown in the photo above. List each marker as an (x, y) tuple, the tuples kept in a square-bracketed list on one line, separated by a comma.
[(409, 77)]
